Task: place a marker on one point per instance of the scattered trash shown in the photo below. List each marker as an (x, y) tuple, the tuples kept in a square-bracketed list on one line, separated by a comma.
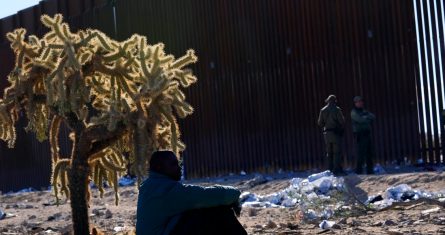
[(317, 176), (260, 204), (408, 196), (310, 194), (27, 190), (127, 181), (378, 169), (325, 224), (401, 193), (119, 229), (310, 215), (257, 180), (93, 185), (248, 197), (374, 199), (2, 215), (327, 213), (290, 202)]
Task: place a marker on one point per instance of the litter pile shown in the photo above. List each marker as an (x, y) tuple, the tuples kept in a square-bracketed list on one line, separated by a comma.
[(2, 215), (402, 193), (316, 186), (322, 195), (313, 194)]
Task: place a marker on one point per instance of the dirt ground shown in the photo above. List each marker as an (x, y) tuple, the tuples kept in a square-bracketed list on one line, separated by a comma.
[(37, 213)]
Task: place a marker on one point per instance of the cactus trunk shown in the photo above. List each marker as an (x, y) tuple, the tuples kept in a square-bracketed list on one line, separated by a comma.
[(78, 178)]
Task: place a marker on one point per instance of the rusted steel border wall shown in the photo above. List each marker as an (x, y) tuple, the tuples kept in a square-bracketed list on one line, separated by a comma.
[(266, 66)]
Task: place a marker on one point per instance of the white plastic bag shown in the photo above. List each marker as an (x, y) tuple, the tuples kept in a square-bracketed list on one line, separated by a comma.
[(317, 176), (325, 224)]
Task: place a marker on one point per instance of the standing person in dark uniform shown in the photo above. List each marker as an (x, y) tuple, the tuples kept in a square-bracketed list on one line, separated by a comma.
[(361, 127), (332, 121)]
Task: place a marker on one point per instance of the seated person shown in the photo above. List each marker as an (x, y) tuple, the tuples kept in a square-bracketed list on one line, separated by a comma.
[(166, 206)]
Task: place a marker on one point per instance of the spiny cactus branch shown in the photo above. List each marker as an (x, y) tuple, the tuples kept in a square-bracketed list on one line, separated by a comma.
[(117, 99), (101, 138)]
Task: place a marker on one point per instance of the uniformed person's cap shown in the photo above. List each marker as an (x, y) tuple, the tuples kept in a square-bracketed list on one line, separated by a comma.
[(331, 98), (357, 99)]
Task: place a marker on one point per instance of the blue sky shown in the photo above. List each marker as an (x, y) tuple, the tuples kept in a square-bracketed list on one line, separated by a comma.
[(11, 7)]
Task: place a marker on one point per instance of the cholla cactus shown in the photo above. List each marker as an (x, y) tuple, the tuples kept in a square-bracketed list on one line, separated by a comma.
[(118, 99)]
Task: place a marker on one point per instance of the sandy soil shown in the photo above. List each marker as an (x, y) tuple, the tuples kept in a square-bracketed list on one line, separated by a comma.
[(37, 213)]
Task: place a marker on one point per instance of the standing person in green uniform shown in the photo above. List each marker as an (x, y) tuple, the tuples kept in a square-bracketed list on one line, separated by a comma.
[(332, 121), (361, 127)]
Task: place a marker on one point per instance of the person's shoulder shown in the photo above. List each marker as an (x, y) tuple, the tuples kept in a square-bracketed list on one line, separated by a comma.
[(156, 183), (325, 108), (331, 108)]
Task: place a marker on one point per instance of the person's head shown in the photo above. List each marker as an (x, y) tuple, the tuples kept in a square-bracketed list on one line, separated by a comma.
[(166, 163), (358, 102), (331, 99)]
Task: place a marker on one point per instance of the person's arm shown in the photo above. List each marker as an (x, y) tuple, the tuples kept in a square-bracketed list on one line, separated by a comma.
[(321, 121), (370, 116), (340, 118), (357, 118), (187, 197)]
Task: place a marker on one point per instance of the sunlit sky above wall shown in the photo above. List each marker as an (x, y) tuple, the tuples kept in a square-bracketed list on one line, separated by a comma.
[(10, 7)]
